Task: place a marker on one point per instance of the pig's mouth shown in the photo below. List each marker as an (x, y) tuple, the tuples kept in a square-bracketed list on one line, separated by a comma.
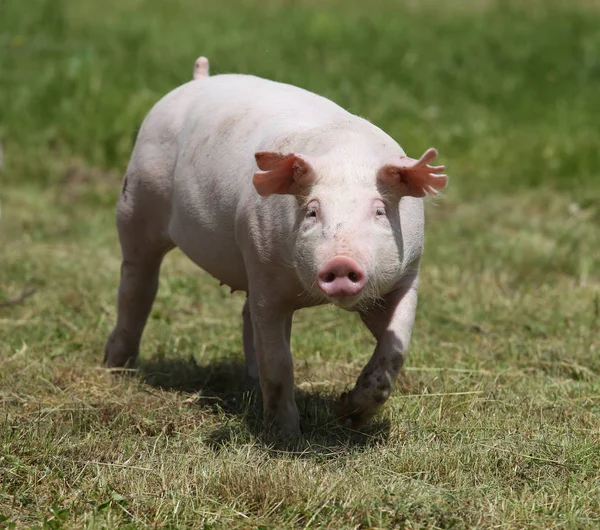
[(346, 302)]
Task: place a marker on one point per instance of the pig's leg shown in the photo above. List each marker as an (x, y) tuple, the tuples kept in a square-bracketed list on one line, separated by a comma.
[(249, 350), (137, 290), (391, 324), (143, 245), (272, 328)]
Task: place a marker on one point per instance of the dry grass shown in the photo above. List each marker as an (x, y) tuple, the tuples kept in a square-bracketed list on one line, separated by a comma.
[(494, 422)]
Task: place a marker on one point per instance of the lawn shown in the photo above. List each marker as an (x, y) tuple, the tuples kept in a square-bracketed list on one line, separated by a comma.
[(495, 421)]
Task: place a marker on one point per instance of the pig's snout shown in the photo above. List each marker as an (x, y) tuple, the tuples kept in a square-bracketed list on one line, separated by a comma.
[(341, 276)]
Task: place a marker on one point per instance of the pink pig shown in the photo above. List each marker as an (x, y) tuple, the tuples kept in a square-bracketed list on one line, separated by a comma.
[(285, 195)]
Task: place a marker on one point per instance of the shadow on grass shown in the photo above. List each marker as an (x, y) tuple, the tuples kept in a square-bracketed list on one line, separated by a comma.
[(222, 387)]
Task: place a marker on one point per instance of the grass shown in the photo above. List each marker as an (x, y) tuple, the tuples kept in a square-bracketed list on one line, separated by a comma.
[(496, 418)]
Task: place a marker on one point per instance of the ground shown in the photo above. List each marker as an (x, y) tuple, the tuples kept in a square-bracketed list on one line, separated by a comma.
[(495, 421)]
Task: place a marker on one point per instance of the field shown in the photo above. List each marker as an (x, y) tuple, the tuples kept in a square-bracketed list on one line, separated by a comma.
[(495, 421)]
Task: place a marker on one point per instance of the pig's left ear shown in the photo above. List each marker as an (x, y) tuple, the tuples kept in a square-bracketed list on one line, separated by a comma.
[(282, 174), (407, 176)]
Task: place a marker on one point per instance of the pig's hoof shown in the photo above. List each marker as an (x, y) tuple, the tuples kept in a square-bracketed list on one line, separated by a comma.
[(287, 427), (119, 352), (350, 410), (289, 431), (283, 431)]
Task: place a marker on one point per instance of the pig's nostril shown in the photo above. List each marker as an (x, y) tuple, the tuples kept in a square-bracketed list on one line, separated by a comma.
[(329, 277), (353, 277)]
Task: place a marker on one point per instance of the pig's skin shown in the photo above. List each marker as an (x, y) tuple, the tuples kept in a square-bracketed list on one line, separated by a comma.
[(190, 184)]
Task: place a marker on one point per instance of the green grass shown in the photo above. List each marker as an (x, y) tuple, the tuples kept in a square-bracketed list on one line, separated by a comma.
[(496, 418)]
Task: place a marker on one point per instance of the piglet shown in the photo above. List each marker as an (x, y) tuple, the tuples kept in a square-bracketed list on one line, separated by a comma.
[(283, 194)]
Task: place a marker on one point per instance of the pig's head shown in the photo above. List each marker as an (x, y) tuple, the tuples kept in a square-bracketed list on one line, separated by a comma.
[(348, 239)]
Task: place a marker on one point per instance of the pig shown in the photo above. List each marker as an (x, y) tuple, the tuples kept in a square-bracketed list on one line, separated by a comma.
[(283, 194)]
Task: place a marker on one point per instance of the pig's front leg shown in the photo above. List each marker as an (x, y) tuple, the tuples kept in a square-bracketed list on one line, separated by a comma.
[(391, 324), (272, 327)]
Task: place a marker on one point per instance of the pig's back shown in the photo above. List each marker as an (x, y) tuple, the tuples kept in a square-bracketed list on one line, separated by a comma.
[(271, 102)]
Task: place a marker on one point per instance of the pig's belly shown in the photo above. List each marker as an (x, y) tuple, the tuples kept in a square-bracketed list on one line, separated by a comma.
[(216, 254)]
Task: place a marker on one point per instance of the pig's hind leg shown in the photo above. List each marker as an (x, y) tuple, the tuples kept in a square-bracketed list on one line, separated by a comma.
[(142, 220), (249, 350)]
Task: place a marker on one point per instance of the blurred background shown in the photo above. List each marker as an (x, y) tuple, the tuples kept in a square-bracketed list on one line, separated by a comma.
[(509, 311), (507, 92)]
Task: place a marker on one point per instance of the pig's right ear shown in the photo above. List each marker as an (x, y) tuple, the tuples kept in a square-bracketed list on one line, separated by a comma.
[(282, 174)]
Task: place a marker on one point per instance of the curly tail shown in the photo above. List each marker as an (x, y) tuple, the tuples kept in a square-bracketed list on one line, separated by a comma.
[(201, 68)]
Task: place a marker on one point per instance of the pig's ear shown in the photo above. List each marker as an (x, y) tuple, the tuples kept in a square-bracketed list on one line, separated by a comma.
[(282, 174), (407, 176)]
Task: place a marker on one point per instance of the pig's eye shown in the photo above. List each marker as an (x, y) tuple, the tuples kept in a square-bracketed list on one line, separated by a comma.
[(379, 206), (311, 212)]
